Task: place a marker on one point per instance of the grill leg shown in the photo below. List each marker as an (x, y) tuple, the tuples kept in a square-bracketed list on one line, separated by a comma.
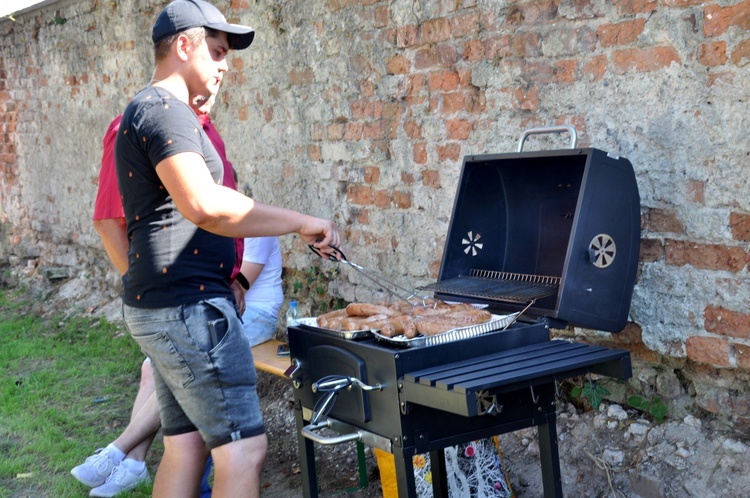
[(306, 450), (550, 457), (404, 473), (439, 474)]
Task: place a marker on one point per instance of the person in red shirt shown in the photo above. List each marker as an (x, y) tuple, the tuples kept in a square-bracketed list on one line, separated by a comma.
[(121, 465)]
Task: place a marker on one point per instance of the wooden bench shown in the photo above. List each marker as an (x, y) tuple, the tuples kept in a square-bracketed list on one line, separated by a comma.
[(265, 359)]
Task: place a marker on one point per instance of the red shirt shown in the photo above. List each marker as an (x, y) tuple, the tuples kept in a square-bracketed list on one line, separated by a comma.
[(108, 204)]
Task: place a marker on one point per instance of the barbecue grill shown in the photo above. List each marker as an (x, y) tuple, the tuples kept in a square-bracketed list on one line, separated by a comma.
[(552, 236)]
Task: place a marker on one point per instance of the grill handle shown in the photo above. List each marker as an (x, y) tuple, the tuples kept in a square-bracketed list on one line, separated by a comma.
[(308, 432), (549, 129)]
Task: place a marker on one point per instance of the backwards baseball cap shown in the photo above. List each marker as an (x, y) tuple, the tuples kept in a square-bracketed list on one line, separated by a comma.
[(185, 14)]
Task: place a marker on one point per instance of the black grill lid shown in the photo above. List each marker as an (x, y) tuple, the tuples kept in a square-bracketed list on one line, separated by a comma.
[(557, 228)]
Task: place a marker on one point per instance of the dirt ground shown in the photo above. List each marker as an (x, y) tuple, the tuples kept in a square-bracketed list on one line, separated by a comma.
[(610, 453)]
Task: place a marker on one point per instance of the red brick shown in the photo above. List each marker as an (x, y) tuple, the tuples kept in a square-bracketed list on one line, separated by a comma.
[(317, 132), (740, 52), (413, 129), (431, 178), (380, 16), (645, 60), (401, 200), (473, 51), (496, 48), (457, 129), (713, 53), (742, 356), (623, 33), (740, 225), (595, 67), (725, 77), (362, 195), (407, 36), (452, 103), (635, 6), (663, 220), (372, 174), (696, 190), (314, 153), (535, 12), (726, 322), (407, 178), (449, 152), (565, 71), (301, 76), (538, 72), (353, 131), (382, 199), (651, 250), (465, 25), (420, 153), (398, 64), (711, 350), (717, 20), (526, 45), (335, 131), (706, 256), (526, 99), (436, 30), (373, 131), (475, 100), (444, 81)]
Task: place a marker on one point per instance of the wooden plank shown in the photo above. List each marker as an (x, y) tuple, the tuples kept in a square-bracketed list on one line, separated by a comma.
[(265, 359)]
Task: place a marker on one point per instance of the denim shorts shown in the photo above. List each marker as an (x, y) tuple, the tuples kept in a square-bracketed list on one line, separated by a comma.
[(258, 325), (203, 369)]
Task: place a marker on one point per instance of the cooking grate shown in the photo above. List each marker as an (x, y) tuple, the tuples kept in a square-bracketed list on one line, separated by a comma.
[(498, 286)]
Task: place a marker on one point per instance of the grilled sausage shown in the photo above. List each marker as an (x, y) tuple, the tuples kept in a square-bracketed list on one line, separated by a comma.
[(367, 309)]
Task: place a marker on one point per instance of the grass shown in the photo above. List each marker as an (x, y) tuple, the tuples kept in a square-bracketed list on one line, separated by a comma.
[(66, 388)]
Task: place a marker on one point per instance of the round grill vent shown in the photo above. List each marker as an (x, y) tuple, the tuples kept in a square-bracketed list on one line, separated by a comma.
[(602, 250)]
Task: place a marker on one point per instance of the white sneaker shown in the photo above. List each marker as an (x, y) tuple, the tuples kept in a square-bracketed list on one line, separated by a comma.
[(95, 470), (121, 479)]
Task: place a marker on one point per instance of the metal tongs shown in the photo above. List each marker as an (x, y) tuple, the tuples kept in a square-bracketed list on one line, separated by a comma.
[(388, 286)]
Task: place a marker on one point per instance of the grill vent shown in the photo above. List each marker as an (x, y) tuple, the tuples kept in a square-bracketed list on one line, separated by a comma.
[(498, 286)]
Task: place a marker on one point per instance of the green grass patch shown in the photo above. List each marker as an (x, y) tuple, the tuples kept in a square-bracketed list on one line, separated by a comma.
[(66, 388)]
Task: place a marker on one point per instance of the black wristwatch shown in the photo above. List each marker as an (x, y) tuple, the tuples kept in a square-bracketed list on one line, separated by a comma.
[(242, 280)]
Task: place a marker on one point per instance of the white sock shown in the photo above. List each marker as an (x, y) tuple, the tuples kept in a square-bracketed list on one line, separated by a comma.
[(115, 451), (133, 465)]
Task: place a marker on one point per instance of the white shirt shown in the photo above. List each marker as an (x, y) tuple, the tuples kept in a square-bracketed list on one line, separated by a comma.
[(265, 292)]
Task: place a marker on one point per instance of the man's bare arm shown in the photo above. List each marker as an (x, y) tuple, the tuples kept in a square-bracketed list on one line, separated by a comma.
[(224, 211), (114, 236)]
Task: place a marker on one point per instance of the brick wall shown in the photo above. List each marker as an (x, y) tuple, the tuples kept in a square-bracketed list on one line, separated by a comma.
[(361, 110)]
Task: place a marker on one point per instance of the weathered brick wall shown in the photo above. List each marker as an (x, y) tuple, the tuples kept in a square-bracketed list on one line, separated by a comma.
[(361, 110)]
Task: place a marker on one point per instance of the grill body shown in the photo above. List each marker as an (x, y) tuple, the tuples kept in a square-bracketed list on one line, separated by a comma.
[(555, 234)]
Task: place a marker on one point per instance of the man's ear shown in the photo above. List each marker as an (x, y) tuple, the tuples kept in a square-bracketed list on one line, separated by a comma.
[(183, 46)]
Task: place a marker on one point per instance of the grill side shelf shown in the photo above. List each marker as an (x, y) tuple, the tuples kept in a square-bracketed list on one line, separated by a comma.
[(458, 386)]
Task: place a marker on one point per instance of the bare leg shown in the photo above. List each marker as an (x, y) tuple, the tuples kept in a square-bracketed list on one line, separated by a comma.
[(144, 422), (181, 466), (237, 467)]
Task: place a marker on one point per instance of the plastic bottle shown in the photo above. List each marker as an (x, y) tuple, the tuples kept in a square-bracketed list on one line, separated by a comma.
[(291, 314)]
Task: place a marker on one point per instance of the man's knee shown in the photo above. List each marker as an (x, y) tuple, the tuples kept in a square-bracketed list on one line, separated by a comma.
[(244, 453)]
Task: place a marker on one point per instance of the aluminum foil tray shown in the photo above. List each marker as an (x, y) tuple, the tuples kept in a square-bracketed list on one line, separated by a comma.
[(311, 323), (497, 322)]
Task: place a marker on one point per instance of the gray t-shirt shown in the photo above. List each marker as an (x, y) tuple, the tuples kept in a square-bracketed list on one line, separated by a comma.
[(171, 261)]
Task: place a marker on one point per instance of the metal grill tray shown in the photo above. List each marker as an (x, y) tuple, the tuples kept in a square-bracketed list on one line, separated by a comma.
[(497, 322), (311, 323)]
